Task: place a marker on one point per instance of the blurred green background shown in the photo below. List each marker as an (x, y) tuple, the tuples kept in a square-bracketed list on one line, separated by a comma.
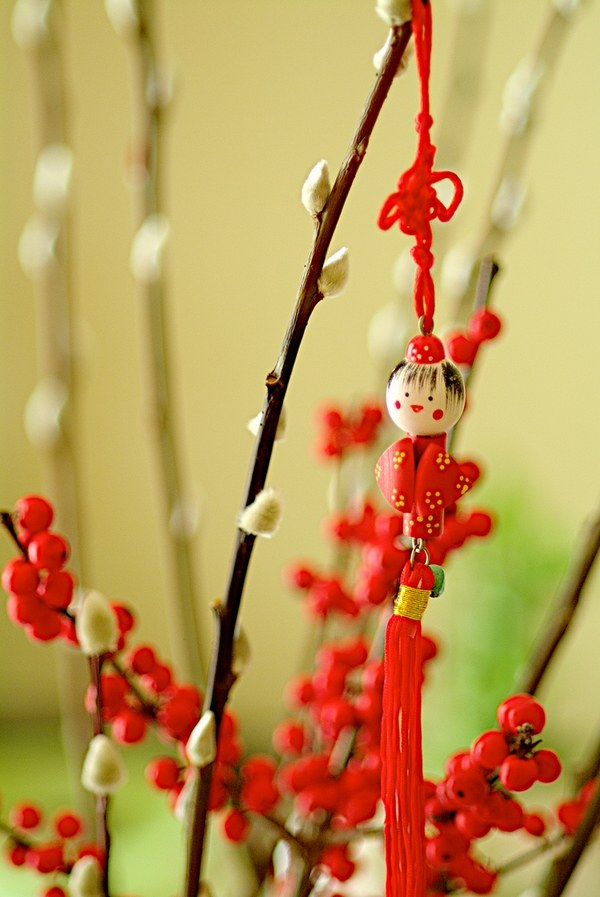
[(261, 92)]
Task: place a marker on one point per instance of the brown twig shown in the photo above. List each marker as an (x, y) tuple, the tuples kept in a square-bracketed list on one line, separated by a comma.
[(221, 678), (542, 63), (9, 525), (564, 865), (563, 612)]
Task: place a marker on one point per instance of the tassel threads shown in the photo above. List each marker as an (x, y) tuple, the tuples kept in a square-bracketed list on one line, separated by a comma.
[(411, 603), (402, 763)]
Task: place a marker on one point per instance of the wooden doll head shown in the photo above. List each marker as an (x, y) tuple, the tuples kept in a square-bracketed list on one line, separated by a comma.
[(425, 393)]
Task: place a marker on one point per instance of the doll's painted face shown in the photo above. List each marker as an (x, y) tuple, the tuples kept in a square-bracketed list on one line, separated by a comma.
[(425, 399)]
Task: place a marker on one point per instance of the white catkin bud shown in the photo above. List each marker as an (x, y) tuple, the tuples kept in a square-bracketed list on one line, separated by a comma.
[(241, 652), (147, 249), (334, 275), (262, 517), (29, 22), (36, 245), (456, 271), (508, 203), (85, 879), (43, 413), (123, 16), (379, 56), (566, 8), (103, 771), (201, 746), (96, 625), (184, 800), (316, 188), (517, 96), (253, 425), (183, 522), (52, 178), (394, 12)]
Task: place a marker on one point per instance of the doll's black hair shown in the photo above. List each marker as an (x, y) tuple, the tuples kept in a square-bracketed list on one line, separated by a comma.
[(426, 375)]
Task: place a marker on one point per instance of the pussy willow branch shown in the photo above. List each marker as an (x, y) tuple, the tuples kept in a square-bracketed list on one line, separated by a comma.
[(221, 677), (180, 581), (56, 365), (563, 611), (517, 145), (102, 801)]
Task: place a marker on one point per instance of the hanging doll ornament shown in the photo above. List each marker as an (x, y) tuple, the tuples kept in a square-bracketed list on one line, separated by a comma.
[(425, 398)]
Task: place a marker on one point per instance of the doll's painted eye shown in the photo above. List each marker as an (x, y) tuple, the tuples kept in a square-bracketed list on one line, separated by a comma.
[(406, 394), (397, 404), (430, 398)]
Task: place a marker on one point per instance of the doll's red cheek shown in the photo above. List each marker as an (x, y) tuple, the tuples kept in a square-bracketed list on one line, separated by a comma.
[(438, 414), (397, 404)]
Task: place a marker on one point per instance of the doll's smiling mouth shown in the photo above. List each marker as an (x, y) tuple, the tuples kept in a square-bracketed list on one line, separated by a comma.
[(417, 407)]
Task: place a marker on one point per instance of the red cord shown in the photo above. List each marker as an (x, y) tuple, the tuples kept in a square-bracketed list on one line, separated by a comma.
[(415, 204)]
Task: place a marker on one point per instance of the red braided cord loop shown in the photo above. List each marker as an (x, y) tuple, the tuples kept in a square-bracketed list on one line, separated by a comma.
[(415, 204)]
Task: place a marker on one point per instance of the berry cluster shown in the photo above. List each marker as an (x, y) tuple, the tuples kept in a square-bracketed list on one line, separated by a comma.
[(40, 590), (476, 795), (52, 851), (354, 429), (382, 555), (463, 346)]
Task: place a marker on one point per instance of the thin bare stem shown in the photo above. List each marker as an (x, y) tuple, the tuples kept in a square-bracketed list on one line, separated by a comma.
[(528, 855), (56, 392), (149, 102), (102, 801), (562, 613), (221, 678), (565, 864)]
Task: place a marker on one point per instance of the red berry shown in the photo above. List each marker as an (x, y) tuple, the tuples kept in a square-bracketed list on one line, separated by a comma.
[(534, 824), (45, 858), (471, 825), (17, 854), (23, 609), (56, 589), (236, 826), (48, 551), (259, 796), (490, 749), (527, 714), (483, 325), (510, 815), (163, 773), (34, 513), (25, 816), (68, 825), (570, 814), (518, 773), (300, 577), (46, 624), (128, 726), (125, 619), (548, 765), (289, 738), (506, 705), (336, 859), (178, 716), (142, 660), (461, 349), (54, 891), (159, 678), (20, 577), (446, 847), (467, 788)]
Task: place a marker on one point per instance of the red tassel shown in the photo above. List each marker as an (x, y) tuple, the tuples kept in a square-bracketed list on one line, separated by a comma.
[(402, 763)]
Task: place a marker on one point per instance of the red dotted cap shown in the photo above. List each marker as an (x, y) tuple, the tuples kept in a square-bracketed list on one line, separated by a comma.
[(425, 350)]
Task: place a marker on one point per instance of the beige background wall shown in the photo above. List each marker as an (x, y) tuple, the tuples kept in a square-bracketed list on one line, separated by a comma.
[(262, 91)]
